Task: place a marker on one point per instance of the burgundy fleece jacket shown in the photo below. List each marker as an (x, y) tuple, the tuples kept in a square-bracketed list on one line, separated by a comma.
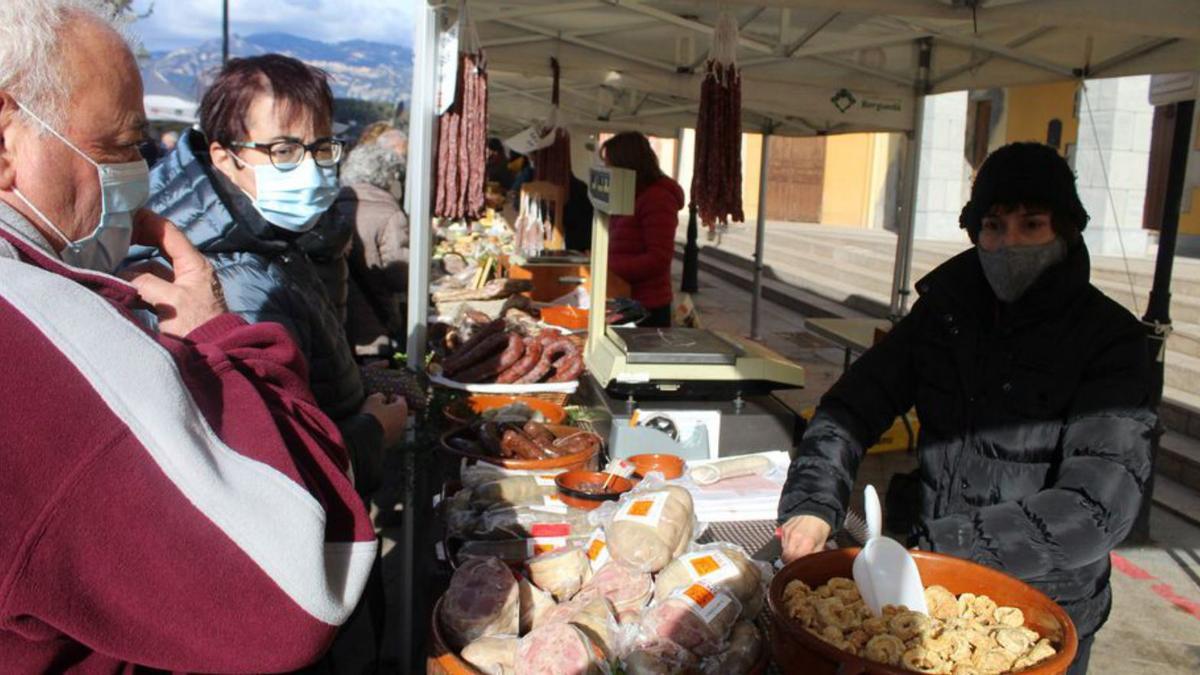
[(175, 503)]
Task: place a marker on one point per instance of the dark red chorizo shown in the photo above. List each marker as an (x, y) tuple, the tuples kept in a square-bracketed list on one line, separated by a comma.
[(486, 340)]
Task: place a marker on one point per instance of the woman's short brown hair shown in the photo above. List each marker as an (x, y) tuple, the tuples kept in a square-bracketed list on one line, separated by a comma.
[(631, 150), (300, 89)]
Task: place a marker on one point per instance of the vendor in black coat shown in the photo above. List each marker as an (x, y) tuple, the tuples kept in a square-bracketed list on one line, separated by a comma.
[(1033, 392)]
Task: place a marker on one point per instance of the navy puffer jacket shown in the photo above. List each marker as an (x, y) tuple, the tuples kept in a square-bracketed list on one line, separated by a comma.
[(1035, 427), (265, 276)]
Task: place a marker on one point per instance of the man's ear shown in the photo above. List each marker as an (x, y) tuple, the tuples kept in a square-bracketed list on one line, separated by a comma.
[(10, 126)]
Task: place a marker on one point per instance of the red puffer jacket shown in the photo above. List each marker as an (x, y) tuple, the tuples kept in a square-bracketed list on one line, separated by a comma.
[(641, 246)]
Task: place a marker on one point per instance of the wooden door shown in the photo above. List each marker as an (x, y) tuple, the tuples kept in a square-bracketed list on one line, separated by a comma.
[(795, 179)]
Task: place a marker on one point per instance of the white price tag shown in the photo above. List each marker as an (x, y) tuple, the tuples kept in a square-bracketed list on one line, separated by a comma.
[(544, 480), (539, 545), (704, 601), (713, 567), (597, 549), (647, 509), (551, 504)]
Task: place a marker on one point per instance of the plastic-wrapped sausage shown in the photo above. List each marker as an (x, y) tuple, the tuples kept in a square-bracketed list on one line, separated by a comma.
[(574, 443), (538, 432), (521, 445)]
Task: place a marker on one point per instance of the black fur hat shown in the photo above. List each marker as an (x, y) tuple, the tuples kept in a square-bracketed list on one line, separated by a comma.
[(1029, 175)]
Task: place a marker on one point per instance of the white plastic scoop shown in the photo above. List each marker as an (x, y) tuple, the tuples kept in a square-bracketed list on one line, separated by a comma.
[(884, 570)]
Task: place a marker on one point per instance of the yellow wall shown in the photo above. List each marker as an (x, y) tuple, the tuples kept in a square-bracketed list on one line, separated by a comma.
[(751, 165), (1189, 221), (1029, 110), (846, 192)]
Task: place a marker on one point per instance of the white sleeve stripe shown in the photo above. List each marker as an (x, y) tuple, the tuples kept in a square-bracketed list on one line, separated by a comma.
[(276, 522)]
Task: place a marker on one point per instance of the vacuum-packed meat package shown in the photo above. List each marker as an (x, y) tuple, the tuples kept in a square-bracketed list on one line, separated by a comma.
[(745, 647), (562, 572), (658, 656), (482, 600), (722, 566), (651, 528), (515, 490), (535, 604), (626, 587), (515, 551), (503, 521), (594, 616), (493, 655), (697, 617), (559, 648)]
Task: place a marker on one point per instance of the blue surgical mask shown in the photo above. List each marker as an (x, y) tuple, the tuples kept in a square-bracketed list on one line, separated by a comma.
[(294, 200), (124, 188)]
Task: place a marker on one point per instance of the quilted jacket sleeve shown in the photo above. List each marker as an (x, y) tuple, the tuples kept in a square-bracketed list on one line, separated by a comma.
[(1094, 499), (850, 418)]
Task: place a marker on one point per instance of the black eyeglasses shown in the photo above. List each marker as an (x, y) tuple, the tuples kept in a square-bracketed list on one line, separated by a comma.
[(286, 155)]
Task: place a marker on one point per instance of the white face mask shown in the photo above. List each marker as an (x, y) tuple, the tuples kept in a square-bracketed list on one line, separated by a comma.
[(294, 200), (124, 188)]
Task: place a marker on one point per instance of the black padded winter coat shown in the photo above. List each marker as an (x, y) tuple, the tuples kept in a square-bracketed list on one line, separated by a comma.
[(1035, 427)]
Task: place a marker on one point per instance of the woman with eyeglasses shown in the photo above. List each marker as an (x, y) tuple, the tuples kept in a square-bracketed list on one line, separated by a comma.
[(255, 178)]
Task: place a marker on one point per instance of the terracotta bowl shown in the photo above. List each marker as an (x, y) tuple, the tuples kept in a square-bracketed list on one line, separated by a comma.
[(796, 650), (570, 484), (588, 459), (671, 466), (465, 411), (571, 318)]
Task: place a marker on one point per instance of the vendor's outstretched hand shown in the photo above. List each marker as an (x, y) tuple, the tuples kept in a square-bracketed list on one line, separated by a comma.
[(803, 535), (185, 297)]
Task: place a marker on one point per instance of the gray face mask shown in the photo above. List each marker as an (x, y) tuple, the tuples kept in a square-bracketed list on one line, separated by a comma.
[(1011, 270)]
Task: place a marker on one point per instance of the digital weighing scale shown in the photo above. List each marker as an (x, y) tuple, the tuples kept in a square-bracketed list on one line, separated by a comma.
[(679, 368), (670, 362)]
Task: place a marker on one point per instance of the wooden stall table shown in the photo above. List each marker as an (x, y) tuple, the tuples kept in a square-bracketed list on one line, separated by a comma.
[(853, 335)]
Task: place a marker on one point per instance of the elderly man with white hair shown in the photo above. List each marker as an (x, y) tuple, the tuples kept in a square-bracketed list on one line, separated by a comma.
[(169, 497)]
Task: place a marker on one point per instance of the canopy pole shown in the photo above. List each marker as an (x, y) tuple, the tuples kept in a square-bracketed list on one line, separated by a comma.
[(419, 184), (901, 277), (690, 282), (224, 32), (1158, 316), (760, 235)]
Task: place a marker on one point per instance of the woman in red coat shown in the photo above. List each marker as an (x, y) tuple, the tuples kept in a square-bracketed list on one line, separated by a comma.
[(641, 246)]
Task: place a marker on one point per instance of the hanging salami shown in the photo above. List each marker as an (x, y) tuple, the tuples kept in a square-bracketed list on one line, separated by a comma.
[(553, 163), (717, 173), (462, 134)]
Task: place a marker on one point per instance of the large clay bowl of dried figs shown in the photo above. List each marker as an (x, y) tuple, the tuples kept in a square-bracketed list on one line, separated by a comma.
[(804, 614)]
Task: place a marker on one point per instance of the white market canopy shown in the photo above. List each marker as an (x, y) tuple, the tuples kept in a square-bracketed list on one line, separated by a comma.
[(811, 66)]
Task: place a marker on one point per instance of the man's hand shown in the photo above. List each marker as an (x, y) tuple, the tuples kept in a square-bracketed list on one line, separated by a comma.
[(184, 298), (392, 415), (803, 535)]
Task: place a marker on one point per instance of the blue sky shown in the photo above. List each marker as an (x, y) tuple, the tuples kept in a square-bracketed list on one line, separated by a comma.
[(183, 23)]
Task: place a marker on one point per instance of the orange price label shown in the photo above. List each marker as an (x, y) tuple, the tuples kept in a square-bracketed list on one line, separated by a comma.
[(539, 549), (595, 549), (705, 565), (699, 594), (641, 507)]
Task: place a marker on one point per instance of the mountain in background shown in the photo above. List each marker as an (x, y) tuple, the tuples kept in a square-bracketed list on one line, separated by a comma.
[(359, 69)]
